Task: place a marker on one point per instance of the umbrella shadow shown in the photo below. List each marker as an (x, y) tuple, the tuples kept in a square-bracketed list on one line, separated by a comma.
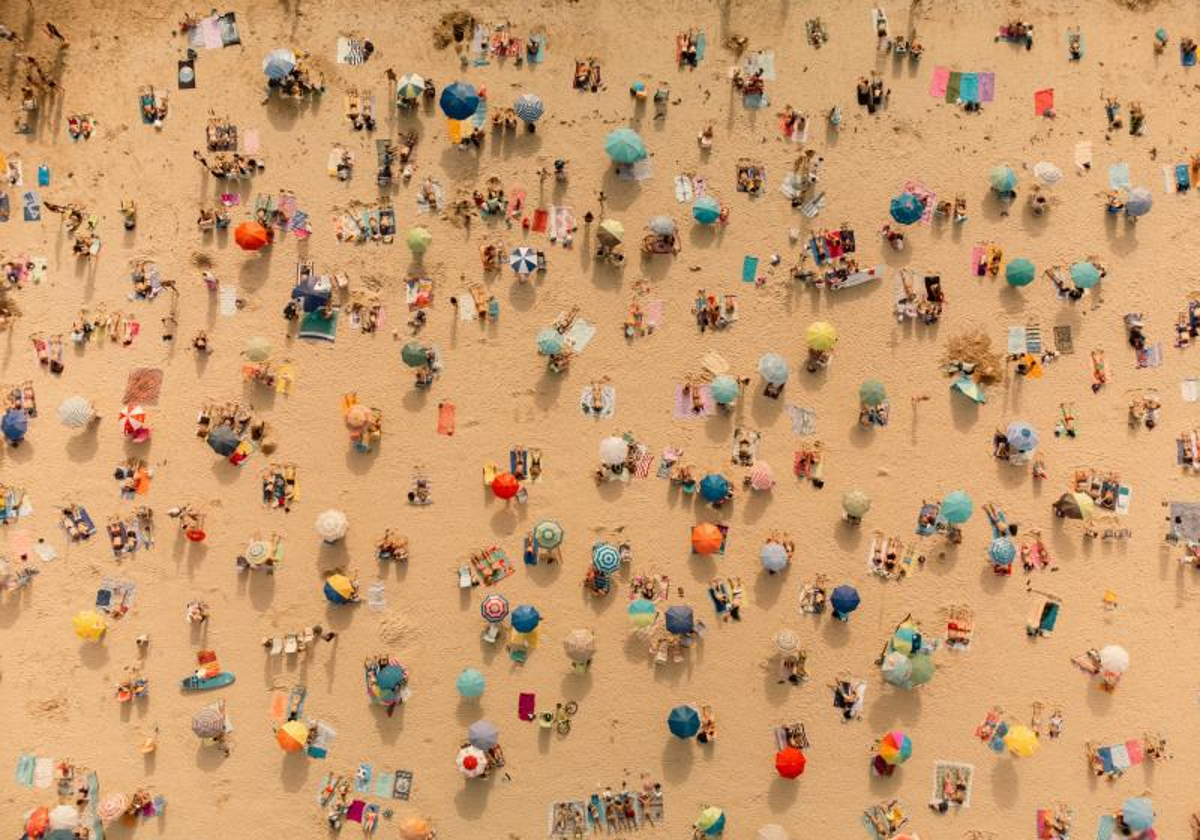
[(964, 413), (678, 756), (83, 446), (471, 801), (755, 506), (1005, 783), (782, 793), (294, 772), (768, 587), (835, 633)]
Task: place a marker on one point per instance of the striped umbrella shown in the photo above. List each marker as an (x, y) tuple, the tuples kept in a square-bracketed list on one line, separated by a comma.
[(471, 762), (529, 107), (209, 722), (494, 608), (606, 558), (548, 534), (133, 420), (410, 86), (76, 412), (523, 260), (112, 807), (762, 477)]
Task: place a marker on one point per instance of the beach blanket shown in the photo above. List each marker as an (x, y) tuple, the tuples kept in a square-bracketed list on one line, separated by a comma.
[(683, 403), (1118, 176), (1043, 102), (927, 197)]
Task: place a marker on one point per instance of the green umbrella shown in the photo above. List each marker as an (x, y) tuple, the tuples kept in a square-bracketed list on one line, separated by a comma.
[(922, 668), (414, 354), (1002, 179), (1019, 272), (548, 534), (418, 240), (969, 388), (258, 349), (1085, 275), (872, 393), (624, 146)]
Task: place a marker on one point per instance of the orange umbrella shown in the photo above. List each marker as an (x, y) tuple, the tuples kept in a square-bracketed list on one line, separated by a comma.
[(38, 822), (251, 236), (707, 538), (414, 828), (292, 736)]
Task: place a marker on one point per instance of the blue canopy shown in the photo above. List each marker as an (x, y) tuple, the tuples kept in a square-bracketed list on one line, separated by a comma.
[(684, 722), (773, 556), (774, 368), (459, 101), (1002, 551), (844, 600), (1022, 437), (714, 487), (624, 146), (706, 210), (14, 425), (470, 683), (680, 620), (278, 64), (907, 208), (525, 619), (724, 389), (957, 507)]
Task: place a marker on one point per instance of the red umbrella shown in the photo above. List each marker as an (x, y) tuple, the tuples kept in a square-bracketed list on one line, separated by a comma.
[(790, 762), (251, 236), (505, 485)]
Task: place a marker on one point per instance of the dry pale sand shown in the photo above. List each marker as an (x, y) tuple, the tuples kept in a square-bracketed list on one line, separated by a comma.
[(57, 693)]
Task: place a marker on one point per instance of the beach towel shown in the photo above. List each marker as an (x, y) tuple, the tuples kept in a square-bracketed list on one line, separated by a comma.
[(1189, 390), (227, 301), (762, 60), (927, 197), (953, 86), (642, 170), (683, 403), (562, 222), (643, 460), (968, 90), (1187, 59), (749, 269), (1043, 101), (446, 418), (539, 55), (683, 188), (987, 87), (316, 325), (937, 85), (755, 101), (580, 334), (1118, 176), (24, 771), (351, 51), (655, 313), (804, 420), (1083, 154)]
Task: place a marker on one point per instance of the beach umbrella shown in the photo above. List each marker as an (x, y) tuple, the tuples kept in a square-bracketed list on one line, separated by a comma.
[(661, 225), (613, 451), (684, 722), (339, 589), (410, 86), (1047, 173), (418, 240), (529, 107), (711, 821), (258, 349), (89, 625), (133, 421), (1002, 179), (706, 210), (821, 336), (762, 477), (1021, 436), (957, 507), (278, 64), (505, 486), (483, 735), (1114, 659), (1075, 506), (872, 393), (209, 722), (1137, 813), (895, 748), (906, 638), (292, 736), (459, 101), (1019, 272), (391, 676), (642, 613), (1002, 551), (773, 368), (922, 668), (357, 417), (680, 620), (76, 412), (1139, 202), (606, 558), (897, 669), (787, 642), (789, 763), (471, 762), (415, 828), (1021, 741), (773, 556), (707, 538), (714, 487), (414, 354), (63, 818), (624, 146), (223, 440), (37, 821), (332, 525), (724, 389), (550, 342), (526, 618), (611, 232), (969, 388), (494, 608), (523, 260), (580, 645), (112, 807), (856, 503), (907, 208), (14, 425), (251, 236), (844, 600), (470, 683), (548, 534), (1085, 275), (772, 831)]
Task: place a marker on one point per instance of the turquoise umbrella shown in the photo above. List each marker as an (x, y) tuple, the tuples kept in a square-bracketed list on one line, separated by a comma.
[(624, 146), (907, 208), (724, 389), (550, 342), (706, 210), (1019, 272), (1002, 551), (957, 507), (1085, 275), (774, 368), (470, 683), (414, 355), (1002, 179), (921, 668), (872, 393), (1138, 813)]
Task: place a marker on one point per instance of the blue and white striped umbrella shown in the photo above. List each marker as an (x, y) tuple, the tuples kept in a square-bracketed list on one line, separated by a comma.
[(523, 260), (606, 558), (529, 107)]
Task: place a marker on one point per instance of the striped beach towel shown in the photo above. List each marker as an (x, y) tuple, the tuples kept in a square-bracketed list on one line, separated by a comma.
[(643, 461)]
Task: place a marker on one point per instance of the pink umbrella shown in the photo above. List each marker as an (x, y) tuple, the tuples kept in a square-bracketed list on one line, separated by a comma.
[(762, 477)]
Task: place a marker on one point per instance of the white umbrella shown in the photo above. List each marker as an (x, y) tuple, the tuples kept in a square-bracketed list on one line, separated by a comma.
[(76, 412), (613, 451), (1047, 173), (787, 642), (64, 817), (471, 762), (332, 525), (112, 807), (1114, 659)]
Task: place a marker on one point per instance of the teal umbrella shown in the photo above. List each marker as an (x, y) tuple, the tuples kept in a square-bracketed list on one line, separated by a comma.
[(414, 354), (706, 210), (1085, 275), (470, 683), (969, 388), (624, 146), (724, 389), (921, 668), (872, 393), (957, 507), (1019, 272), (907, 208), (774, 368), (1002, 179), (550, 342), (548, 534)]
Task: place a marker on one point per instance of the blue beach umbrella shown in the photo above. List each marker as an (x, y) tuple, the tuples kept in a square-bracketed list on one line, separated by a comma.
[(1021, 437), (680, 619), (1139, 202), (1019, 272), (1002, 551), (1138, 813), (459, 101), (774, 368), (14, 425), (483, 734), (1085, 275), (606, 558), (549, 342), (844, 600), (724, 389), (525, 619), (1002, 179), (706, 210), (470, 683), (278, 64), (714, 487), (774, 557), (529, 107), (907, 208), (624, 146), (957, 507), (684, 722)]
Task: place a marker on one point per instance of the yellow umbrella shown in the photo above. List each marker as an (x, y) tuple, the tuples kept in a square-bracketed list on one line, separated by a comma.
[(89, 625), (1021, 741), (821, 336), (292, 736)]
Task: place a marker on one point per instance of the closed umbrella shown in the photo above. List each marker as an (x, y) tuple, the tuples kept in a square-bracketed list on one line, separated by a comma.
[(762, 477), (613, 451), (1137, 813), (1139, 202), (550, 342), (907, 208), (706, 210), (251, 236), (529, 107), (856, 503), (1085, 275), (410, 86), (724, 389), (14, 425), (332, 525), (872, 393), (641, 612), (278, 64), (483, 734), (1021, 741), (624, 146), (611, 232), (774, 557), (684, 722), (923, 668), (418, 240), (339, 589), (494, 608), (787, 642), (89, 625), (1002, 551), (1047, 173), (895, 747), (897, 669), (714, 487), (470, 683), (414, 354), (76, 412), (680, 619), (1002, 179), (209, 722), (523, 260), (580, 645), (844, 600), (548, 534), (711, 821), (606, 558), (459, 101), (773, 368), (821, 336), (526, 618), (661, 225), (112, 807), (1019, 272), (957, 507), (471, 762), (292, 736), (707, 538), (223, 440), (790, 762), (1021, 436)]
